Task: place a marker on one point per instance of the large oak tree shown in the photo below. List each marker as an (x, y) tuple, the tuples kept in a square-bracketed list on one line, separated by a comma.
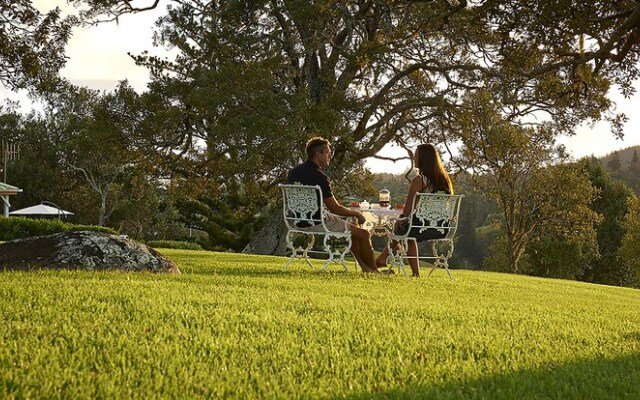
[(365, 73), (253, 80), (267, 74)]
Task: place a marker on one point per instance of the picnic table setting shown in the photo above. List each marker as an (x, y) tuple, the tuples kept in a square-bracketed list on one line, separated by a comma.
[(379, 216), (432, 212)]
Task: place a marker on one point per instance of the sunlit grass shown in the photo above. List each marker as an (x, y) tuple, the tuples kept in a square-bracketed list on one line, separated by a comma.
[(238, 326)]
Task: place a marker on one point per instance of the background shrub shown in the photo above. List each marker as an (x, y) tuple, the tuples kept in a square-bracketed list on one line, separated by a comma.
[(21, 227), (174, 244)]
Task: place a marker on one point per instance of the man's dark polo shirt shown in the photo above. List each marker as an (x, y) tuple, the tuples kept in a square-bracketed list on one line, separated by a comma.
[(308, 173)]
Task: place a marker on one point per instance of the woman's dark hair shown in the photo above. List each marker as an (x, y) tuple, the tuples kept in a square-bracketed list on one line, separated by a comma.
[(430, 165)]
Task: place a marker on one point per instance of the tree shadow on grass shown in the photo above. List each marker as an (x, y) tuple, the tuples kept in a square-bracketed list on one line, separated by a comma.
[(598, 378)]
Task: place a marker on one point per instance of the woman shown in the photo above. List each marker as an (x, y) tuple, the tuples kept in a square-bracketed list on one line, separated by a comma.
[(431, 178)]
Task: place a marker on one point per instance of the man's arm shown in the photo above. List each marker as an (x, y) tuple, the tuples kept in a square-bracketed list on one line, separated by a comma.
[(336, 208)]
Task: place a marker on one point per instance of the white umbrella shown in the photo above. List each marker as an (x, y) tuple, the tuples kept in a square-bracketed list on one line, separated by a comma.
[(41, 209)]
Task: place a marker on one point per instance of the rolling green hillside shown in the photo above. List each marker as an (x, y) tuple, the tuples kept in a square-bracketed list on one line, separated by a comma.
[(238, 326)]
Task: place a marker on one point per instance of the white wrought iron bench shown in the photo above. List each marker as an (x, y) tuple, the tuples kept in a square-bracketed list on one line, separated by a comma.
[(300, 203), (437, 212)]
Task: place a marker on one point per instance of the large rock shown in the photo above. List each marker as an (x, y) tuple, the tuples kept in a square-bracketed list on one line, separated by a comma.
[(82, 250), (270, 240)]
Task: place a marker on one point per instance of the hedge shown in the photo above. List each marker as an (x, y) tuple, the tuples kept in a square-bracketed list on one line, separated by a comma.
[(20, 227), (174, 244)]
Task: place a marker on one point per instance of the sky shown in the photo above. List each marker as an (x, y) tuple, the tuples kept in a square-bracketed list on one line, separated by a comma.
[(97, 58)]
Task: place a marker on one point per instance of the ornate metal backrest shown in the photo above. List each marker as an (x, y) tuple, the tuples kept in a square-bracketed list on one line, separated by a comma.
[(430, 209), (300, 203)]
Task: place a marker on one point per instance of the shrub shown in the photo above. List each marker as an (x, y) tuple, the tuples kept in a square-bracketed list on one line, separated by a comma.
[(20, 227), (174, 244)]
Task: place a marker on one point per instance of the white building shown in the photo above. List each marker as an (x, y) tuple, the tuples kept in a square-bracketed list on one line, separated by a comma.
[(6, 191)]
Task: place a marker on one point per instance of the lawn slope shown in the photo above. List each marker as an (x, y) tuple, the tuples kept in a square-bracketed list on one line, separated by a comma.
[(238, 326)]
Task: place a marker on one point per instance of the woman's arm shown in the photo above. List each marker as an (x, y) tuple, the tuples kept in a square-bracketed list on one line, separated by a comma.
[(414, 187)]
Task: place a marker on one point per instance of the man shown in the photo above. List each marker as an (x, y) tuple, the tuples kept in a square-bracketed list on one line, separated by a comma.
[(310, 173)]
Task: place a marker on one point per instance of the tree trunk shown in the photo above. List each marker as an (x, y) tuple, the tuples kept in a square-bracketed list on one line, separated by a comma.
[(270, 240), (103, 207), (515, 250)]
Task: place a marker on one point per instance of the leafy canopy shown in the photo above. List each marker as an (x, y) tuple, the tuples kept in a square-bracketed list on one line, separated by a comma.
[(270, 74), (31, 45)]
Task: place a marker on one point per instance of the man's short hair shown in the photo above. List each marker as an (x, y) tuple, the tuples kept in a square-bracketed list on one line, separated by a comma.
[(315, 145)]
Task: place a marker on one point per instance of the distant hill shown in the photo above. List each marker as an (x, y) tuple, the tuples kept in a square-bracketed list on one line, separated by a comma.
[(625, 155), (621, 166)]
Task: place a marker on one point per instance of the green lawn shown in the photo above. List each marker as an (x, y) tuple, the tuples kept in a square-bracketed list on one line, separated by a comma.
[(238, 326)]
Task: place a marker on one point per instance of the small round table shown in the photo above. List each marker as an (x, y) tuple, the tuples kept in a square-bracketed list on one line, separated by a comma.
[(379, 221)]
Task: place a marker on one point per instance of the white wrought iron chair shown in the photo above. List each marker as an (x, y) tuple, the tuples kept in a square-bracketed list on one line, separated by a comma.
[(431, 211), (300, 203)]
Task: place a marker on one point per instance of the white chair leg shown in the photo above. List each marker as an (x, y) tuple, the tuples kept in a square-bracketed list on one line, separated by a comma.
[(434, 252), (299, 252), (344, 263), (305, 253), (344, 255), (403, 256), (289, 261), (446, 267), (336, 256), (447, 257), (327, 248), (442, 260), (293, 251)]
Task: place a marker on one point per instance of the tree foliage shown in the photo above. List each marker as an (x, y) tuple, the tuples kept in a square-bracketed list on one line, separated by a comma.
[(98, 131), (520, 168), (270, 74), (37, 171), (613, 202), (31, 45), (478, 226), (630, 247)]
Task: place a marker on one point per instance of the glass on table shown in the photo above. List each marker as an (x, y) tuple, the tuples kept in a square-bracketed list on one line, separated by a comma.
[(384, 196)]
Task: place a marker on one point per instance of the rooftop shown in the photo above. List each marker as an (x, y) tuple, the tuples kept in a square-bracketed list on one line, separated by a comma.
[(8, 189)]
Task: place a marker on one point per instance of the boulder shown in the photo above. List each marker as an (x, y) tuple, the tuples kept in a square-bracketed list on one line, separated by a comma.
[(270, 240), (82, 250)]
